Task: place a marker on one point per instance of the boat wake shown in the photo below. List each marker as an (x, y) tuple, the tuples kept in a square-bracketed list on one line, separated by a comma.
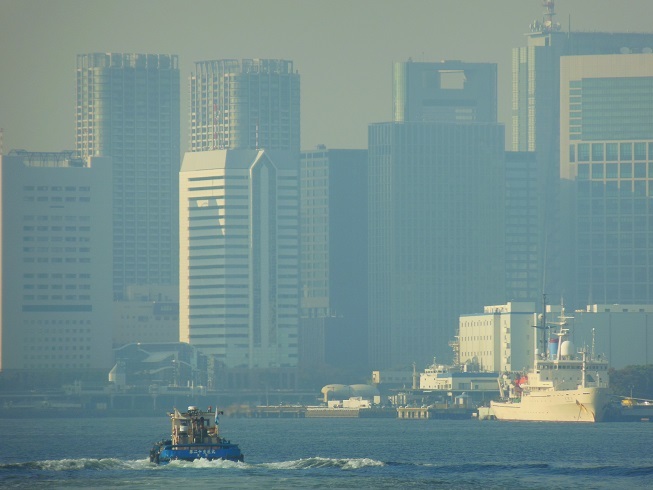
[(318, 462), (145, 464), (76, 464), (345, 464)]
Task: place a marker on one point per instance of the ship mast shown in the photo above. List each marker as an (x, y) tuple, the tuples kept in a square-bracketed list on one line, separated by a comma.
[(562, 331), (541, 337)]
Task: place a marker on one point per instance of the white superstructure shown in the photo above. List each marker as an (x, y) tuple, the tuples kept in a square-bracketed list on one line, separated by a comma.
[(561, 387)]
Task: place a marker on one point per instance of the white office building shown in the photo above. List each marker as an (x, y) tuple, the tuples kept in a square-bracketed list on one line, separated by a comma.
[(55, 263), (499, 339), (239, 256)]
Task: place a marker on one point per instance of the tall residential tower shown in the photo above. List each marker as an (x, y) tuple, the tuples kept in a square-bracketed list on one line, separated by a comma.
[(244, 104), (128, 109)]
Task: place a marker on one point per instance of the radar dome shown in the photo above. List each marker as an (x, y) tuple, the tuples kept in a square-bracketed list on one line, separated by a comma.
[(567, 349)]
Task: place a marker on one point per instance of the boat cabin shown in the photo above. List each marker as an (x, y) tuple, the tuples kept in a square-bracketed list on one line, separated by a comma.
[(195, 426)]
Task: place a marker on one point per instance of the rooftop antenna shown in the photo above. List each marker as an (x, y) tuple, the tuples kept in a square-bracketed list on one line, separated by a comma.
[(547, 25), (549, 14)]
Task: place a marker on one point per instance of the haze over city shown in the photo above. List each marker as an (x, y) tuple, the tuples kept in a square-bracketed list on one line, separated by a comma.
[(420, 213), (397, 203), (343, 50)]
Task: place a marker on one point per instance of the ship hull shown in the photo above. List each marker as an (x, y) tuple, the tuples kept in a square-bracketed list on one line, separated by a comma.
[(581, 405), (191, 452)]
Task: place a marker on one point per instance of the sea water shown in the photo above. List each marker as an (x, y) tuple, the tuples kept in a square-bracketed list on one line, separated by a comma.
[(331, 453)]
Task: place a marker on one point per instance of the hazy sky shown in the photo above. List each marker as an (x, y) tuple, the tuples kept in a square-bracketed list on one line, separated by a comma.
[(343, 50)]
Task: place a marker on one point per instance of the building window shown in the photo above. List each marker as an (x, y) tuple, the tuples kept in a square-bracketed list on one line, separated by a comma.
[(597, 171)]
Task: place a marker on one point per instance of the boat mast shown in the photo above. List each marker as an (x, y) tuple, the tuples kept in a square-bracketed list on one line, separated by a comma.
[(545, 341), (562, 332)]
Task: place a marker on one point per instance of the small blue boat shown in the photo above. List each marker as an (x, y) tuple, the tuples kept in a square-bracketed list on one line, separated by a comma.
[(195, 435)]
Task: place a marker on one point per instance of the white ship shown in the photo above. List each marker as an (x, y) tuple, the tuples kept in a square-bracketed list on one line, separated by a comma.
[(563, 386)]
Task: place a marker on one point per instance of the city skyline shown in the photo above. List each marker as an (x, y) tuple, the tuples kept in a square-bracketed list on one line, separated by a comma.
[(442, 243), (335, 108)]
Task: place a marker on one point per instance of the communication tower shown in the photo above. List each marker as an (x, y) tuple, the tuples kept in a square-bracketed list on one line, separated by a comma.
[(547, 24)]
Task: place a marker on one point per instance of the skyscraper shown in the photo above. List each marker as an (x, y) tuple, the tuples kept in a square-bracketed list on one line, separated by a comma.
[(449, 91), (128, 109), (55, 259), (239, 268), (536, 128), (522, 227), (239, 254), (606, 134), (435, 234), (333, 324), (436, 211), (248, 104)]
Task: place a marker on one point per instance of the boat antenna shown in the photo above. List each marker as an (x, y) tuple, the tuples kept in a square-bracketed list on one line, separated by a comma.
[(546, 340)]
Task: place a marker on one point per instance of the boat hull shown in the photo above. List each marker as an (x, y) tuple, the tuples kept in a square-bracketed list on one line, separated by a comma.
[(191, 452), (581, 405)]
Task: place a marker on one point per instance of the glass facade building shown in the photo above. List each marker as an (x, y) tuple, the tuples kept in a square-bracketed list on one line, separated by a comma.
[(536, 80), (607, 157), (522, 257), (334, 258), (436, 234), (435, 210), (244, 104), (128, 109), (536, 128)]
